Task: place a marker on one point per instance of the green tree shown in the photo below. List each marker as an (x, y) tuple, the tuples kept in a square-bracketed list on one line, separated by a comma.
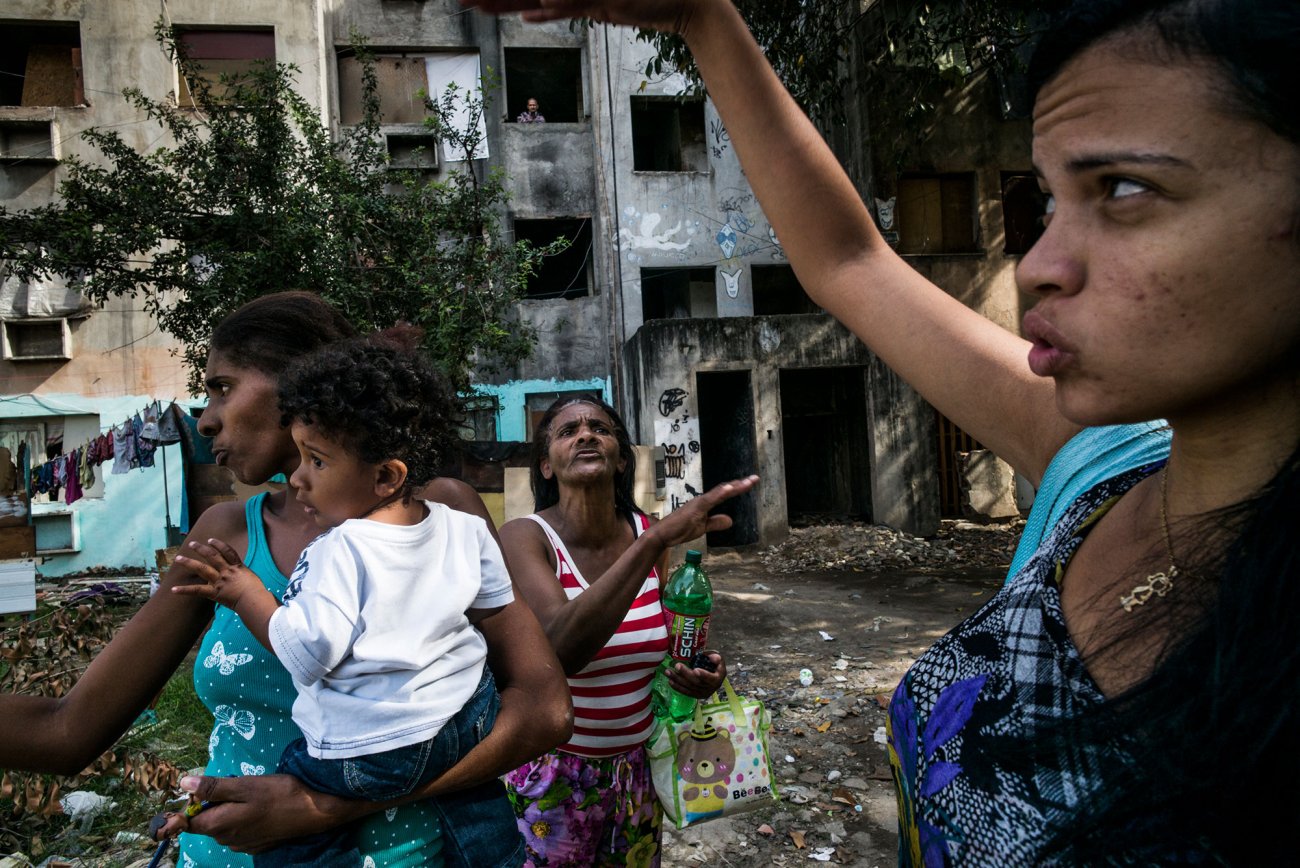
[(907, 54), (253, 195)]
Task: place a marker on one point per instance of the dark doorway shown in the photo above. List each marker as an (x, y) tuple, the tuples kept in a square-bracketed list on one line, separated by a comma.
[(727, 448), (827, 450)]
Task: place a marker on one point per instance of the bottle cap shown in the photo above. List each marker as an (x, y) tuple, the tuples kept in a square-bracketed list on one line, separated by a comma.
[(692, 556)]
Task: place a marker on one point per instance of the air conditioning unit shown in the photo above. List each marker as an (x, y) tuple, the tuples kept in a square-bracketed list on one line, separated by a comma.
[(24, 340)]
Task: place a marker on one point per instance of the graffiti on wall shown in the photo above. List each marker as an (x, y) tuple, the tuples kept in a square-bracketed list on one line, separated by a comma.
[(732, 280), (678, 432), (721, 139), (641, 231)]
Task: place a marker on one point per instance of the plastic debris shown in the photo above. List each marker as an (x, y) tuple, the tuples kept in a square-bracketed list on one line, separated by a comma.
[(881, 736), (806, 677), (822, 854), (826, 637)]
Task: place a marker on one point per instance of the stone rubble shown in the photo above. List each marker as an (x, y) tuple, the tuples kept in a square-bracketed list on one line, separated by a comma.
[(869, 547)]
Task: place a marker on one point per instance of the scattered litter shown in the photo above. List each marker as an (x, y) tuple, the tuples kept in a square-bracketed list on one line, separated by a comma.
[(825, 725), (789, 758), (840, 678), (806, 677), (123, 838), (775, 647), (759, 586), (877, 621), (840, 664), (881, 736), (765, 830), (83, 806), (822, 854), (826, 637), (833, 775)]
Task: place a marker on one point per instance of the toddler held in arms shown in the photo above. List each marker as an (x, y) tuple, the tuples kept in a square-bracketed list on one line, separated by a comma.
[(376, 626)]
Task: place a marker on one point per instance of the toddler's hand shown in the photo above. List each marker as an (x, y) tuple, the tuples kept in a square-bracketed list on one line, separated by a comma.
[(225, 577)]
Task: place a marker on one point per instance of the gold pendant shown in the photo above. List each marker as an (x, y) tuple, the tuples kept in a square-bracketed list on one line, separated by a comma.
[(1158, 584)]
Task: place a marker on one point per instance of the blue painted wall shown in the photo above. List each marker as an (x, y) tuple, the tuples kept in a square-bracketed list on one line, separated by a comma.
[(512, 414)]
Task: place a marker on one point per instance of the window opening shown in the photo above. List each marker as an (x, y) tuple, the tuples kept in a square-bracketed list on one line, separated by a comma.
[(678, 293), (564, 274), (215, 54), (777, 291), (936, 213), (552, 76), (1022, 212), (40, 64), (668, 135), (480, 421)]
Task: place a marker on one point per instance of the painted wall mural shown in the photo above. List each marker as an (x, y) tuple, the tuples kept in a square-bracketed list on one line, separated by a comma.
[(648, 236)]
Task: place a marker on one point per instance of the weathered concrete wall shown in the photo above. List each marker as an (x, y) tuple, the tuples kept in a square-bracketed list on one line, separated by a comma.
[(551, 169), (663, 357)]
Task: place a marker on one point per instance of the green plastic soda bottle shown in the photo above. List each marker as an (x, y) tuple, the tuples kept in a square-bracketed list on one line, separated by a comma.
[(688, 603)]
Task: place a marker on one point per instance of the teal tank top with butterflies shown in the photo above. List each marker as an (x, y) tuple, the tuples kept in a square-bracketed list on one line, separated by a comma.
[(250, 696)]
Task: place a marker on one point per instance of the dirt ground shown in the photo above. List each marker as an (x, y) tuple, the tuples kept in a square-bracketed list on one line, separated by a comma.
[(837, 802), (855, 604)]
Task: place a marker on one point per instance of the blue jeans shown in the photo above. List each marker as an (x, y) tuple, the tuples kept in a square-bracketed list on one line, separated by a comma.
[(478, 824)]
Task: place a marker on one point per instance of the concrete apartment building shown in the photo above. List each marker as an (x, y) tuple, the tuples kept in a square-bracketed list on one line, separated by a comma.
[(674, 302)]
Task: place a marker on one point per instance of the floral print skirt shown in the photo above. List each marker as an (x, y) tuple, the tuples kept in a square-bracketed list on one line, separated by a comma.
[(578, 811)]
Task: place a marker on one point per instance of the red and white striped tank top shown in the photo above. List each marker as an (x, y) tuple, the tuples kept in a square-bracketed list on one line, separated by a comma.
[(611, 696)]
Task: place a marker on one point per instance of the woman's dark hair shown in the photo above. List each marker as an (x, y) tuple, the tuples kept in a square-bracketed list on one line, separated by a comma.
[(546, 492), (1253, 43), (1213, 734), (272, 331), (379, 397)]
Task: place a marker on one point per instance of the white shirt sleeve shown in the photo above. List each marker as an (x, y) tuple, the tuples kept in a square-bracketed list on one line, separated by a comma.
[(495, 588), (314, 631)]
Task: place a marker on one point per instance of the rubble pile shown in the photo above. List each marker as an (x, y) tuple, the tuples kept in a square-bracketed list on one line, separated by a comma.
[(863, 547)]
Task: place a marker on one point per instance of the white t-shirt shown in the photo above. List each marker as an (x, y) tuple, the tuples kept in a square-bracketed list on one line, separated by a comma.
[(373, 629)]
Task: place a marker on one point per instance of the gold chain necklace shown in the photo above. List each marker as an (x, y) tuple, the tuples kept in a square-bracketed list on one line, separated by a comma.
[(1162, 582)]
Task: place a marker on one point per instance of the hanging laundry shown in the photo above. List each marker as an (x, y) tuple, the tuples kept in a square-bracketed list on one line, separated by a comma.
[(124, 444), (85, 472), (149, 430), (144, 449), (72, 477), (169, 425)]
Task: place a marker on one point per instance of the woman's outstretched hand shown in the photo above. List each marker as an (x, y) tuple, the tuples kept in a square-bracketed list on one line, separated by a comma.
[(691, 520), (671, 16)]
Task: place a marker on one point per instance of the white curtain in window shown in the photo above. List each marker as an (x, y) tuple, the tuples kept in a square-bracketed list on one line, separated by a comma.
[(461, 69)]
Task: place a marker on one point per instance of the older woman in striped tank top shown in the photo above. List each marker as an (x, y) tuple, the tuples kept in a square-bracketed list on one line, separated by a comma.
[(589, 563)]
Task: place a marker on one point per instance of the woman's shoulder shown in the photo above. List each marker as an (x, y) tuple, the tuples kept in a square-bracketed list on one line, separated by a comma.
[(221, 520)]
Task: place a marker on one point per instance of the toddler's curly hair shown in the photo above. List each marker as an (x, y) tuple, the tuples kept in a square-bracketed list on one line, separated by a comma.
[(380, 397)]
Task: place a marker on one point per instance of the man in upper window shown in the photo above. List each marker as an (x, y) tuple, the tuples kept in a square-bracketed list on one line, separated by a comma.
[(532, 115)]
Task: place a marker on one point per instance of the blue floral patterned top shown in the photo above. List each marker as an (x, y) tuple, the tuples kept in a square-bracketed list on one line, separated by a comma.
[(1000, 675)]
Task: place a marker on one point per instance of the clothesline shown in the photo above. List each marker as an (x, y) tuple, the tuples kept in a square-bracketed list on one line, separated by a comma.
[(130, 445)]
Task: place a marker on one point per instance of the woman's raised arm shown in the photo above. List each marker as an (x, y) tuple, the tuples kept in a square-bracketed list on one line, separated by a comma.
[(64, 735), (972, 370)]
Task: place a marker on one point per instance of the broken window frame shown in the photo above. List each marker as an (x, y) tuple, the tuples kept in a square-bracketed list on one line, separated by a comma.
[(551, 274), (661, 142), (687, 299), (937, 214)]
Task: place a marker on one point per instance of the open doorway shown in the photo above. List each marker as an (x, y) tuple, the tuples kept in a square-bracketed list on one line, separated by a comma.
[(726, 407), (827, 452)]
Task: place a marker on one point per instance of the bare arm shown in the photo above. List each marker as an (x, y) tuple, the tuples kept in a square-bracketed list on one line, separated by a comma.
[(972, 370), (63, 735), (580, 627)]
